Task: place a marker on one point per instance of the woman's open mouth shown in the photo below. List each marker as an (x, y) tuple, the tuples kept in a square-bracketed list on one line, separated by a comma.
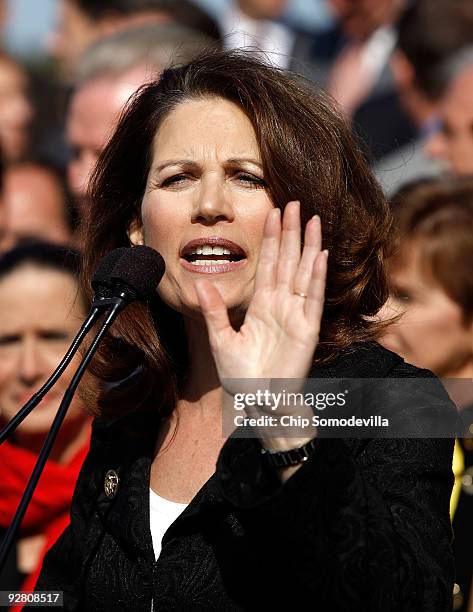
[(212, 255)]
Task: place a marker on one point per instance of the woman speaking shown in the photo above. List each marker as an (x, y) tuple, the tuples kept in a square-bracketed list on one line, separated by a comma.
[(228, 167)]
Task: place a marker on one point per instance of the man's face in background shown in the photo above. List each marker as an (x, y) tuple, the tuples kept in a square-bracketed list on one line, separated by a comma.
[(453, 144), (92, 118)]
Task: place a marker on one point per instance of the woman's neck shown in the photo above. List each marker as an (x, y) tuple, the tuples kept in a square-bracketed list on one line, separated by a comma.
[(458, 384), (463, 370), (202, 380)]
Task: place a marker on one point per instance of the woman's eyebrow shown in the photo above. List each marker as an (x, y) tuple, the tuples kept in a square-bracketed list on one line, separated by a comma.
[(248, 160), (191, 162), (175, 162)]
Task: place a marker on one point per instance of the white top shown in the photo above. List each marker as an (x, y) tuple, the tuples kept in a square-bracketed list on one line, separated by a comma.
[(162, 513)]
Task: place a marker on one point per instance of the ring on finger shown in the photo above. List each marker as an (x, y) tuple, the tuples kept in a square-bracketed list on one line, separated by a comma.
[(302, 295)]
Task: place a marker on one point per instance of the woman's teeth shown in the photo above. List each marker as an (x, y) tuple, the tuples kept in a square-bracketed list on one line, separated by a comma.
[(210, 250), (209, 262), (211, 255)]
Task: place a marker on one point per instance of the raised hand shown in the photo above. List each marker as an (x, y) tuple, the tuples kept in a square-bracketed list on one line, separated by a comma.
[(281, 328)]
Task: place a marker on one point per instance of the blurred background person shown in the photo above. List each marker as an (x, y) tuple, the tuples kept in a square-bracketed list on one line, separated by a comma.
[(429, 33), (254, 23), (41, 310), (77, 25), (3, 16), (430, 276), (352, 60), (16, 110), (109, 73), (453, 143), (431, 285), (34, 205), (83, 22)]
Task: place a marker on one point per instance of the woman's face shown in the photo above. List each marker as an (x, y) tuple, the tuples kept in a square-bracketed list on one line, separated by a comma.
[(431, 332), (206, 203), (40, 317)]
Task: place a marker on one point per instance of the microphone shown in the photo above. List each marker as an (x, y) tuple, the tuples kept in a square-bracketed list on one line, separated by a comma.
[(135, 273), (119, 270), (101, 279)]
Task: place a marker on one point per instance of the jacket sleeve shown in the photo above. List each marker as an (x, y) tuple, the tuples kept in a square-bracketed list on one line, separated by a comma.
[(362, 525)]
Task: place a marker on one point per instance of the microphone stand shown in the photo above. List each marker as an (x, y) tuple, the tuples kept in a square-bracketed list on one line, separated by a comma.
[(117, 304)]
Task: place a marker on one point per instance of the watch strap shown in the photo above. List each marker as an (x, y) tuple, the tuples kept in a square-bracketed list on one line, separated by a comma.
[(294, 456)]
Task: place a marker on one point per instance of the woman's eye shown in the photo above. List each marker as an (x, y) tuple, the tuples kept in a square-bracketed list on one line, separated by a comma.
[(250, 180), (174, 180)]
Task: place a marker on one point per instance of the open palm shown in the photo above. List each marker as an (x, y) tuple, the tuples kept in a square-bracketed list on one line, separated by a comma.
[(282, 324)]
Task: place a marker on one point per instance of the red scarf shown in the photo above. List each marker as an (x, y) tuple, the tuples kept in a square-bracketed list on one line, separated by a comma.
[(48, 512)]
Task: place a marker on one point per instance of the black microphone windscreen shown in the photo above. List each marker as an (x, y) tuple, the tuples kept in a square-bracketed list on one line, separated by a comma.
[(141, 268), (101, 280)]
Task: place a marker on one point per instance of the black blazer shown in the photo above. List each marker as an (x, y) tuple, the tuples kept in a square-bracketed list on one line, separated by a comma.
[(362, 525)]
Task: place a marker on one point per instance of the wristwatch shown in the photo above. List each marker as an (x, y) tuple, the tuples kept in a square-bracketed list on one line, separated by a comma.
[(282, 459)]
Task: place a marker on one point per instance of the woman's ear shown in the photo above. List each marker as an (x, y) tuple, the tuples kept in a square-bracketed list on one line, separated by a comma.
[(135, 233)]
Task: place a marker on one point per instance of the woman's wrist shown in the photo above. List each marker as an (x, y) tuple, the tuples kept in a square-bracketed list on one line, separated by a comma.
[(286, 460), (284, 444)]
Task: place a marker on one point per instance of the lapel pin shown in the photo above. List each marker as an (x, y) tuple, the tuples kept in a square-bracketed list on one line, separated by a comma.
[(111, 483)]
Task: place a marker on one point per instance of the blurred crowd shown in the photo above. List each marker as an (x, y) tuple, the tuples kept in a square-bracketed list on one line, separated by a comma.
[(401, 72)]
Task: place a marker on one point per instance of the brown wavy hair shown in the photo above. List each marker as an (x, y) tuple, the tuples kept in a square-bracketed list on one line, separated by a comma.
[(308, 154)]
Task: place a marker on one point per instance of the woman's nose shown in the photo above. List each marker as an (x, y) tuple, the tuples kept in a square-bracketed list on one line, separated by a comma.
[(212, 203), (31, 367)]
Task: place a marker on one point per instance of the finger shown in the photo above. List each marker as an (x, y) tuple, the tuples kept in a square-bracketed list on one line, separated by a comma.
[(290, 248), (314, 303), (312, 246), (214, 310), (268, 257)]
